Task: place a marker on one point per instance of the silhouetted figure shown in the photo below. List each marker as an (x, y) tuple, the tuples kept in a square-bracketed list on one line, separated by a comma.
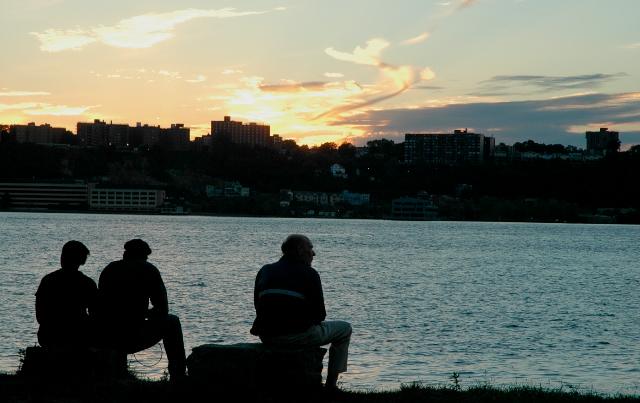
[(63, 302), (126, 321), (290, 307)]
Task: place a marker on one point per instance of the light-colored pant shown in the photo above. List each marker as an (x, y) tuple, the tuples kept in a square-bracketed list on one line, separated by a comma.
[(336, 332)]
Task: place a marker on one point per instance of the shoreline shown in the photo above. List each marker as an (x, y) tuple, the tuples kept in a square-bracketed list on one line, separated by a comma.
[(206, 214), (17, 388)]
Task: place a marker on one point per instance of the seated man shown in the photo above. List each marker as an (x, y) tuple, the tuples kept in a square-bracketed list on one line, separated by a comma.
[(290, 307), (63, 301), (126, 322)]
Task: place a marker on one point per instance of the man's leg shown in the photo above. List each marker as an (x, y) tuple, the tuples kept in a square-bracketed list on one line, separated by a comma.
[(338, 333), (174, 344), (169, 330)]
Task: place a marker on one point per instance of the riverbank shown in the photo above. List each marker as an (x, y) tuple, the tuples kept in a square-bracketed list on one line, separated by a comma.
[(14, 389), (585, 220)]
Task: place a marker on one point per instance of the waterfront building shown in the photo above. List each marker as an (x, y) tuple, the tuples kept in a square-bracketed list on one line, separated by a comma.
[(251, 134), (34, 195), (445, 148), (119, 199), (43, 134), (414, 208), (603, 142)]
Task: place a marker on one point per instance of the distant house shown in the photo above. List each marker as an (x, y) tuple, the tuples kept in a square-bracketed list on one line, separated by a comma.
[(338, 171), (355, 199), (227, 189)]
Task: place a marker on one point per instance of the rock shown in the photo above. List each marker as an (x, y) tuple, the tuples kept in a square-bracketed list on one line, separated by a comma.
[(256, 367), (86, 363)]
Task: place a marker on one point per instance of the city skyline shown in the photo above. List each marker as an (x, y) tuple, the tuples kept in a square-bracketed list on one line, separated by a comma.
[(512, 69)]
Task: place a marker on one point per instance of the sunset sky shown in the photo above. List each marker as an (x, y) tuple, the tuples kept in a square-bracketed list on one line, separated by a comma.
[(328, 70)]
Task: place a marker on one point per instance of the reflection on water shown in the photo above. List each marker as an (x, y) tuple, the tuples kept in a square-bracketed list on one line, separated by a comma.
[(540, 304)]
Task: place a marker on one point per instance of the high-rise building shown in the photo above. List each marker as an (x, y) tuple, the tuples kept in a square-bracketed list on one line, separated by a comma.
[(251, 134), (143, 135), (102, 134), (445, 148), (177, 137), (603, 142), (43, 134)]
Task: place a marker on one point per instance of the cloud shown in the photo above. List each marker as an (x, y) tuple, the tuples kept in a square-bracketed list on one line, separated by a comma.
[(293, 87), (227, 72), (369, 55), (198, 79), (58, 110), (417, 39), (632, 46), (19, 106), (560, 120), (38, 108), (142, 31), (506, 83), (397, 79), (23, 93), (334, 75), (52, 40)]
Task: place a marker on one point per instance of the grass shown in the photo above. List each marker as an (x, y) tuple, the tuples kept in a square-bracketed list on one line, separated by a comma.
[(16, 388)]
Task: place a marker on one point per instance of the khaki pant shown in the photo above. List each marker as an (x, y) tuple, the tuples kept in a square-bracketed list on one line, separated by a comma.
[(336, 332)]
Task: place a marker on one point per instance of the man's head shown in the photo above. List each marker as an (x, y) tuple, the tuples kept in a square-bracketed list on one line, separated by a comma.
[(298, 247), (74, 254), (136, 249)]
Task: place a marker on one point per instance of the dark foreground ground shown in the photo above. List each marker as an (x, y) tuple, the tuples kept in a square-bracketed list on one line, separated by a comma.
[(14, 388)]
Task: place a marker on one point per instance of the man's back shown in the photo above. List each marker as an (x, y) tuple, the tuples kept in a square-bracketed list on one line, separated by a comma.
[(125, 288), (288, 298), (62, 303)]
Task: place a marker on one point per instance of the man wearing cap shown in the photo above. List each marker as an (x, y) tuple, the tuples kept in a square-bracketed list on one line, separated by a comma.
[(290, 307), (64, 300), (127, 323)]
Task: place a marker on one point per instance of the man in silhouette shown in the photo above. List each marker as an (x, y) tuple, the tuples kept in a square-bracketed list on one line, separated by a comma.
[(127, 323), (290, 307), (63, 301)]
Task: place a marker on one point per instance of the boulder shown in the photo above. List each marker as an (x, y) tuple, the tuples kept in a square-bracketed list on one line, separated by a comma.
[(81, 364), (256, 367)]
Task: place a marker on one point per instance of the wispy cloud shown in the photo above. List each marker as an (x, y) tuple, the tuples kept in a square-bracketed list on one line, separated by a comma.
[(58, 110), (142, 31), (23, 93), (334, 75), (38, 108), (417, 39), (369, 55), (397, 79), (197, 79), (293, 87), (231, 71), (632, 46), (504, 84)]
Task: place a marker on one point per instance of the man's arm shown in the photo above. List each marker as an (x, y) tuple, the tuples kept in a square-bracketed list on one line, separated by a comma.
[(316, 298), (42, 305), (158, 295)]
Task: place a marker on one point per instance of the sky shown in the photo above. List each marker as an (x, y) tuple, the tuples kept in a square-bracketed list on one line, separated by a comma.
[(328, 70)]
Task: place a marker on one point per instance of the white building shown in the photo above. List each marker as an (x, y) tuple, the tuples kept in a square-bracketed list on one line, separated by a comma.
[(116, 199)]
